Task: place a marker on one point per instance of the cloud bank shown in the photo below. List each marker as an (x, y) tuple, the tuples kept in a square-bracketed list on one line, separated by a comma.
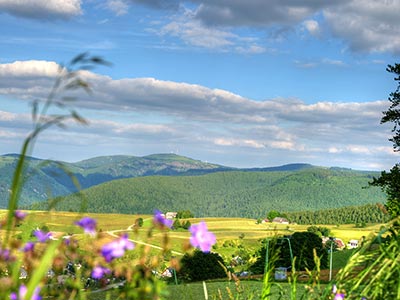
[(166, 116)]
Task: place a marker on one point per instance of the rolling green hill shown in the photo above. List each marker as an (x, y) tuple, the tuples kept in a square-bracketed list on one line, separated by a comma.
[(45, 179), (231, 194)]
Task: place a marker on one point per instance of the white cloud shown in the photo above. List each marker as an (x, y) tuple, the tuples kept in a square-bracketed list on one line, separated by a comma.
[(238, 142), (194, 33), (42, 9), (30, 68), (119, 7), (366, 25), (312, 27), (7, 116)]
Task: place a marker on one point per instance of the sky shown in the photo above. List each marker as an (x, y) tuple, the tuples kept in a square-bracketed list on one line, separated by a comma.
[(253, 83)]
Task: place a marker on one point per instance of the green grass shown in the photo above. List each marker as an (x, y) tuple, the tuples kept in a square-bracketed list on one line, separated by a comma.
[(246, 290)]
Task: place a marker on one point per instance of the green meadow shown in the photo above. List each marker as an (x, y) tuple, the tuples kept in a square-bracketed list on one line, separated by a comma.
[(246, 231), (229, 232)]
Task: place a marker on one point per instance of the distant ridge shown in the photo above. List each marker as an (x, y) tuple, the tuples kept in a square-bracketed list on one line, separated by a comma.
[(169, 178), (288, 167)]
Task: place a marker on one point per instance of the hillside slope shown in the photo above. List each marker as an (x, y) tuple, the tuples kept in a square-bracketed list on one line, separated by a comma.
[(46, 179), (231, 194)]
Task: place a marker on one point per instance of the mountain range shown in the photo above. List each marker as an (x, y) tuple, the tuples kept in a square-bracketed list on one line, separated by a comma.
[(130, 184)]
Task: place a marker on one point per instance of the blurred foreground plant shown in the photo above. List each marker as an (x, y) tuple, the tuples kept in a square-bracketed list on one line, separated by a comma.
[(62, 267)]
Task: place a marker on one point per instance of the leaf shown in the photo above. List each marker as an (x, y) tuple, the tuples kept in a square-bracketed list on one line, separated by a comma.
[(78, 118), (79, 58), (35, 105), (68, 99), (100, 61)]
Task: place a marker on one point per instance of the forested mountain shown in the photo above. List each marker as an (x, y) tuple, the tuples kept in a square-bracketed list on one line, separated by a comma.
[(45, 179), (231, 194)]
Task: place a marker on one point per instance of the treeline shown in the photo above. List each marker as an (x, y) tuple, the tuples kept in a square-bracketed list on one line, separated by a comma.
[(228, 194), (359, 215)]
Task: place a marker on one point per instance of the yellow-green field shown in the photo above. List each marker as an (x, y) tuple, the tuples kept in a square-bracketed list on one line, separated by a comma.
[(230, 229)]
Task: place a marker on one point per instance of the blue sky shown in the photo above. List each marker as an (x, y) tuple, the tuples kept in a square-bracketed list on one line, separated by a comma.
[(239, 83)]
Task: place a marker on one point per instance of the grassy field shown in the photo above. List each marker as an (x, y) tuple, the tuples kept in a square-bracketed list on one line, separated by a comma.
[(240, 230), (246, 231)]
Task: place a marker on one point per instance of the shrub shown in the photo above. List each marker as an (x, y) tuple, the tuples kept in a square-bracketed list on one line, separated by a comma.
[(201, 266)]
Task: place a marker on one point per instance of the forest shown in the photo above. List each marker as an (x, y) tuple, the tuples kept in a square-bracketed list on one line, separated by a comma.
[(226, 194)]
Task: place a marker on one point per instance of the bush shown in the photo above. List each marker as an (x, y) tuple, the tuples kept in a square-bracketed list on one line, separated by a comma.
[(302, 245), (201, 266)]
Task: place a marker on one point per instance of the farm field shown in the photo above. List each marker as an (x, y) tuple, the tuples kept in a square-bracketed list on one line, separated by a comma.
[(226, 229)]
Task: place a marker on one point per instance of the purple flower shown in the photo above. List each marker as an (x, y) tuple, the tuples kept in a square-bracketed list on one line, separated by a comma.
[(42, 236), (88, 225), (99, 271), (201, 237), (5, 255), (20, 215), (116, 248), (159, 219), (22, 293), (339, 296), (29, 246)]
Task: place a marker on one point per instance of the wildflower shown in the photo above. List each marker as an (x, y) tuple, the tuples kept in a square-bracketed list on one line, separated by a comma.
[(339, 296), (29, 246), (99, 271), (88, 225), (20, 215), (201, 237), (116, 248), (22, 293), (42, 236), (5, 255), (159, 219), (334, 289)]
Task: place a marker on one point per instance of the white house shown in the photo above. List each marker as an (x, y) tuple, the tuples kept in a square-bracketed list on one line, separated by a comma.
[(352, 244)]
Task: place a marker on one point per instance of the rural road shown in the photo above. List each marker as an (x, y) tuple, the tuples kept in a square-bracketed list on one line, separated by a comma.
[(130, 228)]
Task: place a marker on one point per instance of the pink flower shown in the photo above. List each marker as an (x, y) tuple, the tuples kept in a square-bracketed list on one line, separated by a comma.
[(116, 248), (339, 296), (201, 237)]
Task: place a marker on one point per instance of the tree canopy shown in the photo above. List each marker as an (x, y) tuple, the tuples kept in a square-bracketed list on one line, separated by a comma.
[(390, 181)]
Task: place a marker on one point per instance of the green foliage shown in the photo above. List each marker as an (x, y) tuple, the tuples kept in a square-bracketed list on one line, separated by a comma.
[(369, 213), (139, 222), (320, 231), (201, 266), (373, 271), (302, 245), (229, 194), (184, 214), (273, 214), (181, 225), (389, 182)]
